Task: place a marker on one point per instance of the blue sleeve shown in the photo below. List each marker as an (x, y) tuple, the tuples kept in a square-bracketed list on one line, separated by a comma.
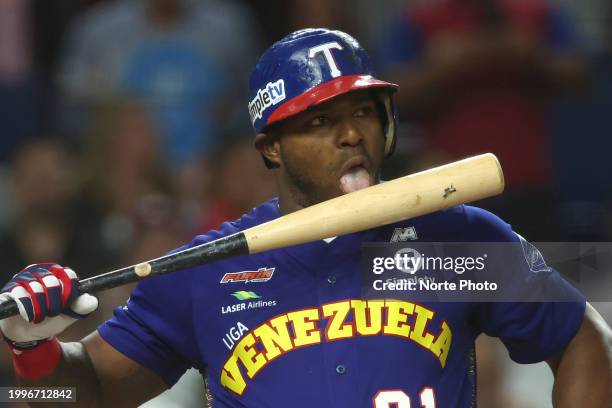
[(531, 331), (155, 327), (401, 42), (560, 33)]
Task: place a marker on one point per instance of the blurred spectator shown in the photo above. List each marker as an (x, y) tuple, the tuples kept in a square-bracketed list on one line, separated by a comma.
[(121, 169), (319, 13), (51, 222), (30, 35), (477, 75), (14, 42), (582, 129), (158, 229), (48, 24), (273, 17), (19, 112), (280, 17), (194, 188), (242, 182), (593, 18), (49, 21), (188, 60)]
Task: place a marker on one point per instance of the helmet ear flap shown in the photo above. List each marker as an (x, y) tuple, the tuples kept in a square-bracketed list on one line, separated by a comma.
[(389, 122)]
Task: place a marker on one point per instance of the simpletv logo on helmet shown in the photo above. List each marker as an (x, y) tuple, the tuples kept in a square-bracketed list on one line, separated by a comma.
[(269, 95)]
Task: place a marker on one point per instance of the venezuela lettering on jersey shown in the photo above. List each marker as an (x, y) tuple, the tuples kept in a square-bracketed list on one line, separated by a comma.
[(345, 319)]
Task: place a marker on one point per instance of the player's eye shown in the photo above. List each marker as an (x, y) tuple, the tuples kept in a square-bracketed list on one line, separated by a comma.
[(317, 121), (364, 111)]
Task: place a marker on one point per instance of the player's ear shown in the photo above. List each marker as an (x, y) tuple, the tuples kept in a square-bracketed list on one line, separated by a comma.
[(269, 146)]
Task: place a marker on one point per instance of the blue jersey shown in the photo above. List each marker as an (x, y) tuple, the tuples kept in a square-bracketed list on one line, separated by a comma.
[(287, 328)]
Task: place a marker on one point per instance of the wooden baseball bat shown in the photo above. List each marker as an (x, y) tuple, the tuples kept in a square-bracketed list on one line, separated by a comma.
[(432, 190)]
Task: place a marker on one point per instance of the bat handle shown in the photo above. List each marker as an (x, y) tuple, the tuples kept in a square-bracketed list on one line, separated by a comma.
[(231, 245), (8, 308), (95, 284)]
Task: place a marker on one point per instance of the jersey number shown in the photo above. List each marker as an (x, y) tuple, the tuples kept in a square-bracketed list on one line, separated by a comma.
[(399, 399)]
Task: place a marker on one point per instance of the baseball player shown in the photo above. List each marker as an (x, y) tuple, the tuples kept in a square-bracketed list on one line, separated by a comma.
[(288, 327)]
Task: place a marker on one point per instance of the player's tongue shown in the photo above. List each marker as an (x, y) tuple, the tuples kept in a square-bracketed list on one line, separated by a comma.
[(356, 179)]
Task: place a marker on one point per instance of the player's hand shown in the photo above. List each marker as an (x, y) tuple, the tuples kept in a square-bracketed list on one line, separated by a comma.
[(48, 302)]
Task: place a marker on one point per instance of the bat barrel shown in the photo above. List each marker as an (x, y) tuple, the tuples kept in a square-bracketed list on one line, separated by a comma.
[(442, 187), (406, 197)]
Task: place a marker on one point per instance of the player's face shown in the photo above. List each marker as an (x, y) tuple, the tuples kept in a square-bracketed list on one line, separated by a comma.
[(332, 149)]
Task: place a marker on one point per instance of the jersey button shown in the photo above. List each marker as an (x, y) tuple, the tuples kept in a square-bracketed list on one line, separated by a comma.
[(331, 279), (340, 369)]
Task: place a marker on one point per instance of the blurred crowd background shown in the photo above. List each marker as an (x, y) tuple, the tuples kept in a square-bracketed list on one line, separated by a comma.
[(125, 129)]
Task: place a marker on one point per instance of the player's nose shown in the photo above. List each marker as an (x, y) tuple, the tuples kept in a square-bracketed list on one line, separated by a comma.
[(348, 133)]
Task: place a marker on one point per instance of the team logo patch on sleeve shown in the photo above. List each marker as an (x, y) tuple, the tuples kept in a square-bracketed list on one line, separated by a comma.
[(260, 275)]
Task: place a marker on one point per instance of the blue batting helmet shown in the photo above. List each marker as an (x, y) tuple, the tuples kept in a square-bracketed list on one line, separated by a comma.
[(308, 67)]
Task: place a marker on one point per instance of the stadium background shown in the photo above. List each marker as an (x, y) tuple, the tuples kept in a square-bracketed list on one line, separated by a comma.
[(125, 132)]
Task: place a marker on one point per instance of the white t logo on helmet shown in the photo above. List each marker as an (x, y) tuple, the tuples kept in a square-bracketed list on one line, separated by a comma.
[(326, 50)]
